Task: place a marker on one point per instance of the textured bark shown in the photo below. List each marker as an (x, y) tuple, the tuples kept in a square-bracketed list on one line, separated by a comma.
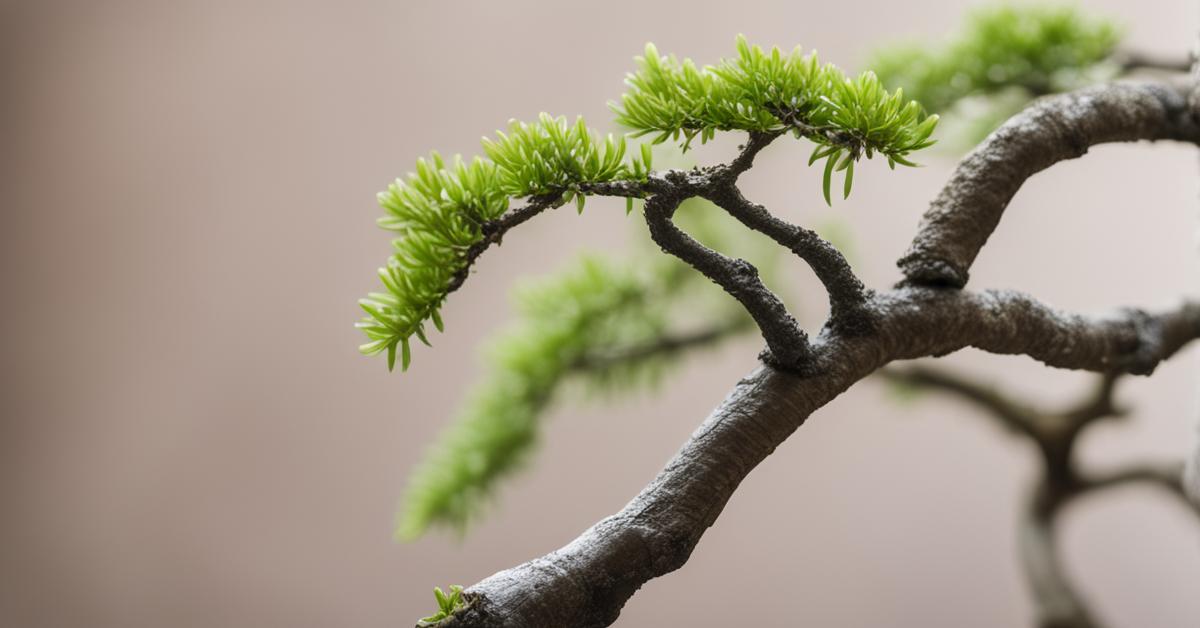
[(787, 342), (847, 295), (1055, 128), (587, 582)]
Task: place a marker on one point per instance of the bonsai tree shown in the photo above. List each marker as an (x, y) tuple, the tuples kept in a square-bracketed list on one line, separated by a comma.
[(616, 324)]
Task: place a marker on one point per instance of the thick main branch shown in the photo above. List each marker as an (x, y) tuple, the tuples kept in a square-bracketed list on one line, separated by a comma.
[(1055, 128), (587, 582)]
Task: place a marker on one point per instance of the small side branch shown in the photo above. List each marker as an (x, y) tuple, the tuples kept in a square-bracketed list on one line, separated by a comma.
[(1134, 60), (588, 581), (1055, 128), (664, 346), (757, 141), (1058, 604), (787, 343), (1010, 413), (494, 230), (847, 295)]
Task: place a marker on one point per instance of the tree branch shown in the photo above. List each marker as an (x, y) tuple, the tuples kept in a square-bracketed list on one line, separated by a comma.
[(1011, 414), (847, 295), (494, 230), (756, 141), (1055, 128), (787, 343), (666, 345), (587, 582), (1133, 60), (1058, 604)]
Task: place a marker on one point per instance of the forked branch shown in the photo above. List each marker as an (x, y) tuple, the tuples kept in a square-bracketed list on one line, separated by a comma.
[(587, 582)]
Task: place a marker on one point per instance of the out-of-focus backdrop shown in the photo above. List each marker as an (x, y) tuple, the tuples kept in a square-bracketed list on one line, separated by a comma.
[(189, 438)]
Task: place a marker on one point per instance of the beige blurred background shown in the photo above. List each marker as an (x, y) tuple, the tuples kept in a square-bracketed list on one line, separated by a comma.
[(188, 436)]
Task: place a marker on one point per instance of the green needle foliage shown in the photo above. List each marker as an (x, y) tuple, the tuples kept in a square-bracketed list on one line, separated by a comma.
[(774, 91), (551, 157), (1039, 48), (590, 324), (448, 604), (594, 304), (597, 319), (440, 212)]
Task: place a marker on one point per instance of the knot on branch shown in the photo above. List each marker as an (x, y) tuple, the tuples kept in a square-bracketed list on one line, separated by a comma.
[(1145, 348), (922, 270), (969, 208)]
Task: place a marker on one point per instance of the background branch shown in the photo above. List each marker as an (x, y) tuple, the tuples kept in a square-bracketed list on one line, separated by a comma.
[(666, 345), (1133, 60), (1054, 433)]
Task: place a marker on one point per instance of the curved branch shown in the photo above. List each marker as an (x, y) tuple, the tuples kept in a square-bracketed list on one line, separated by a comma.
[(1009, 413), (494, 230), (922, 322), (664, 346), (1055, 128), (587, 582), (787, 343), (1133, 60), (1054, 433), (1164, 476), (847, 295), (756, 141), (1057, 603)]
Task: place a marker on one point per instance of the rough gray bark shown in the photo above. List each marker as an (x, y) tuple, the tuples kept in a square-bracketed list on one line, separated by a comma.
[(1053, 129), (587, 582)]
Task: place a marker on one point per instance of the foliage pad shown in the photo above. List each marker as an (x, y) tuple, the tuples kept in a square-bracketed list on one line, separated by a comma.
[(847, 118)]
